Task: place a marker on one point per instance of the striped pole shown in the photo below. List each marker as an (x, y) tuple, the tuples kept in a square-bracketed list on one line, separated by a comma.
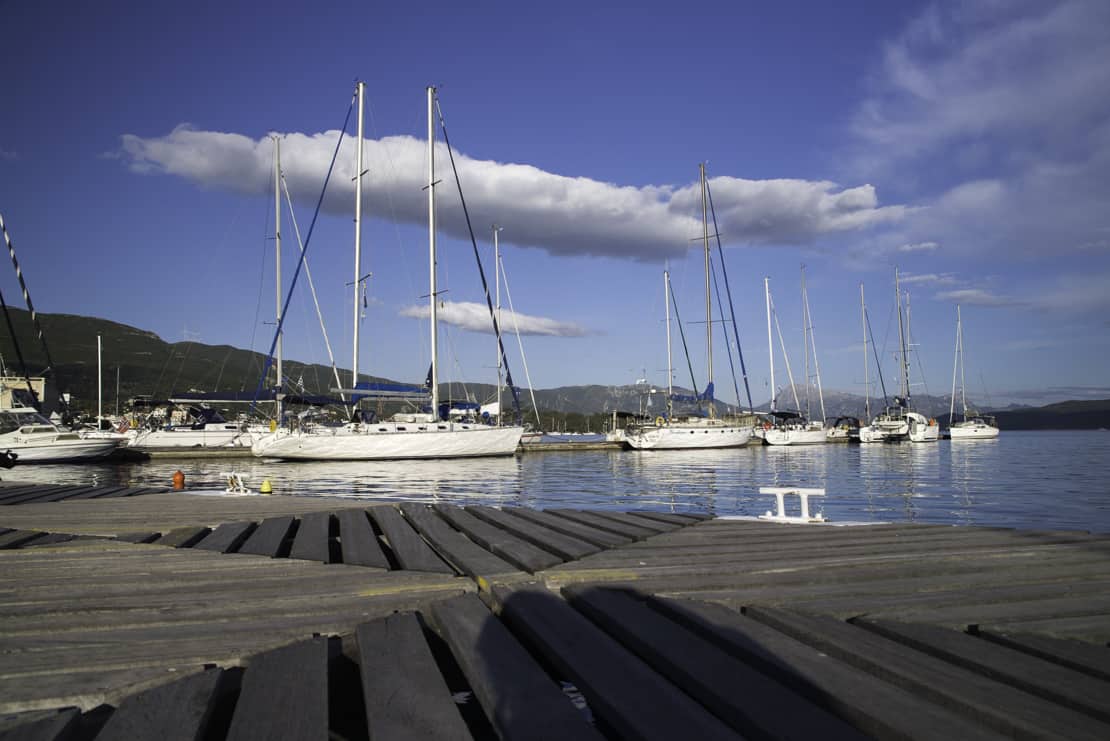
[(30, 307)]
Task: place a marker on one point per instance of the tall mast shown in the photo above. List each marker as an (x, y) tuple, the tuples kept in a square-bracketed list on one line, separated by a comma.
[(497, 291), (955, 366), (432, 297), (277, 271), (805, 337), (866, 379), (770, 342), (667, 309), (808, 317), (708, 295), (905, 366), (99, 384), (358, 235)]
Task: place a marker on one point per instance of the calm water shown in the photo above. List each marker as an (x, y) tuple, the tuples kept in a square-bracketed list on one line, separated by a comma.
[(1023, 479)]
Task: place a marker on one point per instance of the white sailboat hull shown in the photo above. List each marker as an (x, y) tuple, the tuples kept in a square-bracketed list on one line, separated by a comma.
[(210, 436), (870, 434), (47, 450), (779, 436), (923, 430), (390, 441), (688, 436), (972, 431)]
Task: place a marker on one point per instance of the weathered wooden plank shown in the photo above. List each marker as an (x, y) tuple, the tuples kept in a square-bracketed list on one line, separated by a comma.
[(565, 546), (284, 695), (51, 539), (672, 518), (635, 520), (402, 687), (268, 539), (1033, 675), (97, 492), (624, 692), (311, 541), (178, 710), (40, 725), (358, 543), (999, 706), (1077, 655), (503, 544), (872, 705), (597, 536), (520, 699), (184, 537), (749, 701), (602, 522), (44, 493), (19, 538), (139, 537), (408, 547), (226, 538), (467, 557)]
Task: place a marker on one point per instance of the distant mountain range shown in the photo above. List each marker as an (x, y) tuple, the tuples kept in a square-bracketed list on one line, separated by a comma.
[(152, 367)]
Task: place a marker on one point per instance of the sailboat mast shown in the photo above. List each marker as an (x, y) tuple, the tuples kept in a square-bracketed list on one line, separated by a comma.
[(866, 379), (277, 273), (963, 381), (497, 292), (813, 346), (432, 297), (770, 341), (358, 236), (805, 337), (708, 295), (99, 383), (905, 367), (955, 366), (667, 310)]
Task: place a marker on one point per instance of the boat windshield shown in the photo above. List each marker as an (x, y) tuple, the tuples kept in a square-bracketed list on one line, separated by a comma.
[(12, 421)]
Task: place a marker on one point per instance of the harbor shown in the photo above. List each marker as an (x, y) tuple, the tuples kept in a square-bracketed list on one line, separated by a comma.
[(136, 612)]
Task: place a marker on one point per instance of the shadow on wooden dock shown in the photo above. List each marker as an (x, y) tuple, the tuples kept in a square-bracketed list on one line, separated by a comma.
[(165, 615)]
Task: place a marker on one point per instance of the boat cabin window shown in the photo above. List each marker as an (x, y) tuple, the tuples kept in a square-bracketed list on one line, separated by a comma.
[(10, 422)]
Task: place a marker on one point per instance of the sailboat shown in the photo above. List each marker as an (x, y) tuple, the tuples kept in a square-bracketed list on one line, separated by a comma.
[(418, 435), (922, 429), (788, 427), (870, 432), (973, 426), (690, 431)]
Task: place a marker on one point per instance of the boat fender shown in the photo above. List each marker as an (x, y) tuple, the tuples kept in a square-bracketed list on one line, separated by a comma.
[(266, 487), (658, 421), (178, 480)]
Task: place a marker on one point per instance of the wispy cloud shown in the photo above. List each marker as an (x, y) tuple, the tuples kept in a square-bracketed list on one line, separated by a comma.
[(919, 247), (560, 214), (8, 155), (944, 279), (475, 318), (975, 297), (1010, 97)]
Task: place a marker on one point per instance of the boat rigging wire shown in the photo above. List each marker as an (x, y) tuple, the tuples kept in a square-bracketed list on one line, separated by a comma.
[(732, 311), (301, 261), (685, 349), (34, 316), (478, 259)]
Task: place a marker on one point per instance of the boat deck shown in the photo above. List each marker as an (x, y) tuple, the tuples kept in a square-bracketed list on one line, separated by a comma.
[(138, 614)]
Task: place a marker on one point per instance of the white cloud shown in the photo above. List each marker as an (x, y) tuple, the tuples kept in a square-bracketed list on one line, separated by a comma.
[(931, 278), (562, 215), (919, 247), (995, 113), (475, 318), (975, 297)]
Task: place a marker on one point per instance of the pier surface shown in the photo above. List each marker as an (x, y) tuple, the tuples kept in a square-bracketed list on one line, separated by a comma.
[(140, 614)]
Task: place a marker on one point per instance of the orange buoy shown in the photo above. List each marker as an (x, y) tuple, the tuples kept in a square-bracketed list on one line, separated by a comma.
[(178, 480)]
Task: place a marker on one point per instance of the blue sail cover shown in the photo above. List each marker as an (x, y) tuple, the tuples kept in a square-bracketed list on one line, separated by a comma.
[(688, 399)]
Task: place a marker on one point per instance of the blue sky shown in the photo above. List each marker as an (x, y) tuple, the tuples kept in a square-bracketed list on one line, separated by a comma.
[(965, 144)]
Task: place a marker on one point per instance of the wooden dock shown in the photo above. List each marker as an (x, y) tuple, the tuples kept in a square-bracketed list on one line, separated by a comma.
[(144, 614)]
